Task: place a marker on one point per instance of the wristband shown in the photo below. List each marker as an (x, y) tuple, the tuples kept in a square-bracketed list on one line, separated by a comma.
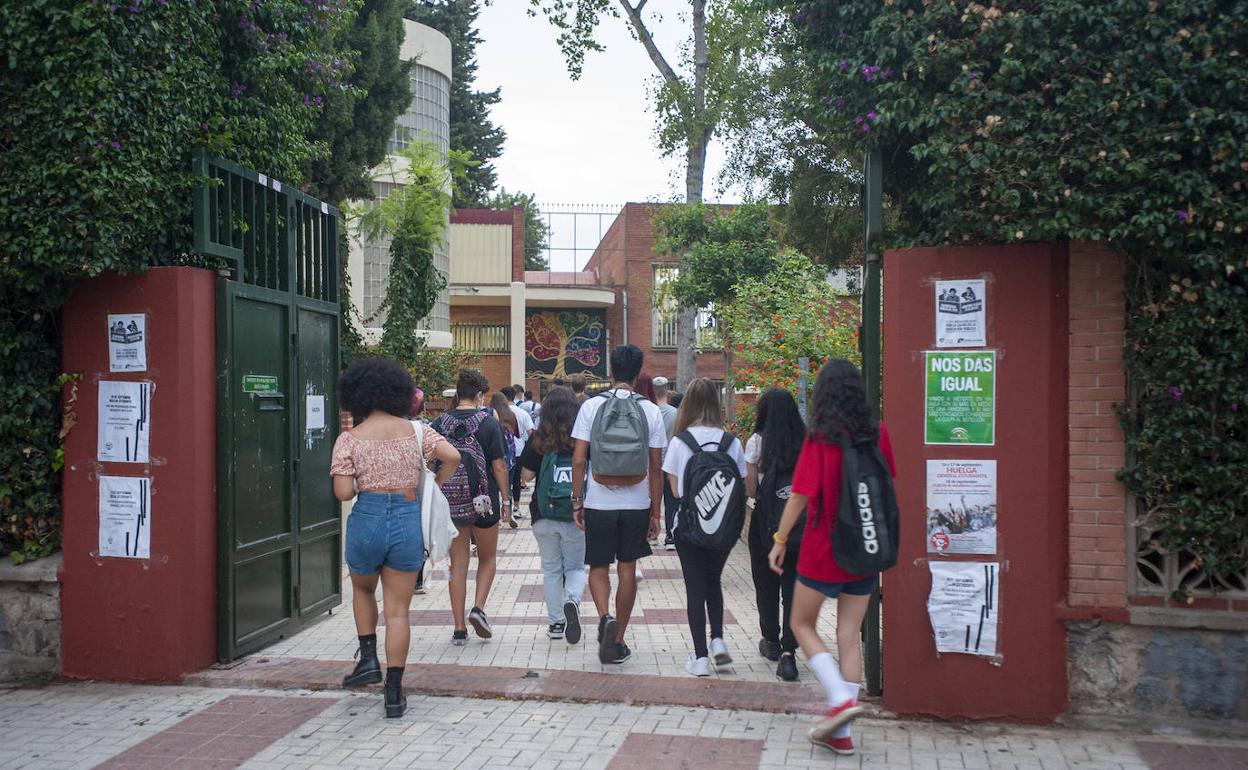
[(775, 536)]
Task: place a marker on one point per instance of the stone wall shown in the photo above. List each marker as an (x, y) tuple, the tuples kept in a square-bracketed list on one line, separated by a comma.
[(30, 620), (1159, 678)]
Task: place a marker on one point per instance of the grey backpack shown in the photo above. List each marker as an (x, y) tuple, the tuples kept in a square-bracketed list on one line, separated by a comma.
[(619, 442)]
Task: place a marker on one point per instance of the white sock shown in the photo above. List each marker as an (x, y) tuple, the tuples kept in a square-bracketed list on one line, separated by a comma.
[(829, 675), (843, 730)]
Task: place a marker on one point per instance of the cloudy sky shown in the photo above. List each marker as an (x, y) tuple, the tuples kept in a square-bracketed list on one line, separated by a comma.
[(584, 143)]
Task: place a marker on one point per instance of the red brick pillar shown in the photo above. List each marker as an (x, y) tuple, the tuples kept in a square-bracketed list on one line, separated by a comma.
[(1098, 501)]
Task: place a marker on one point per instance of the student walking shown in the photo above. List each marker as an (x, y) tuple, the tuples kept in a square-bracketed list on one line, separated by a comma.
[(523, 430), (473, 493), (500, 409), (548, 460), (662, 394), (770, 458), (841, 422), (380, 463), (619, 436), (705, 466)]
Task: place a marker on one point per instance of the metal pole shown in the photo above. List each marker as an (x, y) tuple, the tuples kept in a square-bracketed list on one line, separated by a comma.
[(803, 384), (869, 339)]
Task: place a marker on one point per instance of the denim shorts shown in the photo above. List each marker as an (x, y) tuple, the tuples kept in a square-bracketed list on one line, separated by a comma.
[(384, 530), (863, 587)]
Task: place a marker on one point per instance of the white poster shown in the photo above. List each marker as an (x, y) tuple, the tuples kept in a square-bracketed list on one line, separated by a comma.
[(963, 607), (960, 314), (127, 343), (125, 422), (962, 506), (315, 419), (126, 517)]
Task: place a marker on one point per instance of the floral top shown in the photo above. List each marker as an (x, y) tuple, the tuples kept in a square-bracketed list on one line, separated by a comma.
[(393, 463)]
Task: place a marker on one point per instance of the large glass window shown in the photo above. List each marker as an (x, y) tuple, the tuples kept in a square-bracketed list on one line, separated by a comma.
[(663, 315)]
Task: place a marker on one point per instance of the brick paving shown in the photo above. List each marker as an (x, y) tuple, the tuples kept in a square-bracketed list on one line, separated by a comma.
[(658, 635), (89, 724)]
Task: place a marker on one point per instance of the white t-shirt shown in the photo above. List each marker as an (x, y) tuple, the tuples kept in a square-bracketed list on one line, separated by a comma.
[(636, 497), (679, 453), (524, 424), (754, 451)]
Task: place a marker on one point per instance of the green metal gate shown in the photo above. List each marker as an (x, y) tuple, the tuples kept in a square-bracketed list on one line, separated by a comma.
[(279, 546)]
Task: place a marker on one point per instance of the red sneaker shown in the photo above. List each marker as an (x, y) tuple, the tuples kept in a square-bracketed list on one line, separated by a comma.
[(837, 716), (843, 746)]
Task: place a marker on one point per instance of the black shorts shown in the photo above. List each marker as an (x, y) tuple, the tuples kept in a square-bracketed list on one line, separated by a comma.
[(612, 536), (486, 520)]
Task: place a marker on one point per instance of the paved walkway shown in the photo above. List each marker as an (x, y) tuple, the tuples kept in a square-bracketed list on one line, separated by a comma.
[(521, 700), (118, 726), (658, 633)]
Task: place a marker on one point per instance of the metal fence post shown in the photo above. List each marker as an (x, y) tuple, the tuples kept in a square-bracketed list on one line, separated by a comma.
[(869, 337), (803, 386)]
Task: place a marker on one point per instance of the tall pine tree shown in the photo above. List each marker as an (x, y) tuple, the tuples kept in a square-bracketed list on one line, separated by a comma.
[(471, 128), (357, 122)]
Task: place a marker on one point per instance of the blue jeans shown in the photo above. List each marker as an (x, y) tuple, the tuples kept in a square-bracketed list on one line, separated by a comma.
[(562, 546), (384, 530)]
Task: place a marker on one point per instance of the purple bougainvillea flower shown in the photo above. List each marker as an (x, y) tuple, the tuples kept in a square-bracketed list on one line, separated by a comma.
[(857, 120), (134, 8), (116, 144), (873, 116), (1176, 393), (842, 65), (1182, 215), (840, 101)]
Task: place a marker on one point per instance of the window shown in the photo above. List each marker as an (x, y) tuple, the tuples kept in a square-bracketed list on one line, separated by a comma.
[(663, 315)]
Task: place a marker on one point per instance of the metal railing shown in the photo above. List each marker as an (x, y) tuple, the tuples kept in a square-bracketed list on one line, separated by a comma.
[(267, 232), (663, 331), (482, 338)]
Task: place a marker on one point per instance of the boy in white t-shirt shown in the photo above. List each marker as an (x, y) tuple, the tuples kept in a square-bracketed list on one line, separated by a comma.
[(619, 521)]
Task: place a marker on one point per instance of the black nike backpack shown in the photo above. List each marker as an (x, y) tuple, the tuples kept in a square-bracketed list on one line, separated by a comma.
[(712, 503), (865, 539)]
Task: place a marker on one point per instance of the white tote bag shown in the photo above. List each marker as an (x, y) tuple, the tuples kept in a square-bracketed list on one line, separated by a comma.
[(435, 513)]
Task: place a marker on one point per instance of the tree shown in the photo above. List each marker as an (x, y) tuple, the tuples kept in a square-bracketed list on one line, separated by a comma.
[(100, 107), (788, 314), (472, 131), (535, 235), (357, 122), (687, 102), (1058, 120), (415, 215), (721, 248)]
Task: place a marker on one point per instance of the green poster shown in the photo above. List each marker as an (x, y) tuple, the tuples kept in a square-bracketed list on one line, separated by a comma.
[(960, 403), (259, 383)]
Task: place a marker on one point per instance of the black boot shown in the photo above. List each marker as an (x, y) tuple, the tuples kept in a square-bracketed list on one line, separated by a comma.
[(368, 669), (396, 699)]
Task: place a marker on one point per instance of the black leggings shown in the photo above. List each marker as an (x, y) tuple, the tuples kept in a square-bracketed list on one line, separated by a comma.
[(771, 590), (515, 485), (704, 592)]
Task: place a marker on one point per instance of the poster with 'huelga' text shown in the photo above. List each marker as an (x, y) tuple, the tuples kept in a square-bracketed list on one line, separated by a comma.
[(962, 506)]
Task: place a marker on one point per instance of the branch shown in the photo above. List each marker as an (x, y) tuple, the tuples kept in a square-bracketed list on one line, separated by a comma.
[(647, 40)]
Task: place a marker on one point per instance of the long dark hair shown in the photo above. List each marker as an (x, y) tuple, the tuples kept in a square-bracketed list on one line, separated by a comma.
[(554, 434), (841, 407), (502, 408), (780, 426)]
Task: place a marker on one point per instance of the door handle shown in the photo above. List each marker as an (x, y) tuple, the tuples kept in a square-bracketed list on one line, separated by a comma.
[(270, 402)]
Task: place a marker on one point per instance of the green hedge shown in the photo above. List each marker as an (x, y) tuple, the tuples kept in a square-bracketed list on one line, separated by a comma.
[(100, 106), (1121, 121)]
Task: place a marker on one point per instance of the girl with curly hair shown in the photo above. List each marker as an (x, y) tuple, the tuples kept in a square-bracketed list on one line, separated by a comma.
[(841, 411), (379, 463)]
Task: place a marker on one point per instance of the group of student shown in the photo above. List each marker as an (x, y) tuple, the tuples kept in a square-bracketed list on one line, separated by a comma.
[(605, 470)]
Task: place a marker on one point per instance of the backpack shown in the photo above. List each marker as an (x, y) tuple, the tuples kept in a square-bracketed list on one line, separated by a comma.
[(619, 441), (469, 480), (712, 503), (553, 492), (866, 536), (774, 490)]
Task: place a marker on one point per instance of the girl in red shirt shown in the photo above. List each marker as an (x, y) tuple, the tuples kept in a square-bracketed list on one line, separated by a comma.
[(840, 409)]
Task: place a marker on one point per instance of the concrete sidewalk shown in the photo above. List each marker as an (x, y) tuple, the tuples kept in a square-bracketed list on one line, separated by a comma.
[(118, 726)]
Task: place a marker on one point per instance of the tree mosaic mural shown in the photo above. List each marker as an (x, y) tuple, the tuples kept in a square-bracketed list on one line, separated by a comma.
[(559, 343)]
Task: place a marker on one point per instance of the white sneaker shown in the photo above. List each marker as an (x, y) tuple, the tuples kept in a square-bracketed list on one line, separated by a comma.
[(698, 666), (719, 651)]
